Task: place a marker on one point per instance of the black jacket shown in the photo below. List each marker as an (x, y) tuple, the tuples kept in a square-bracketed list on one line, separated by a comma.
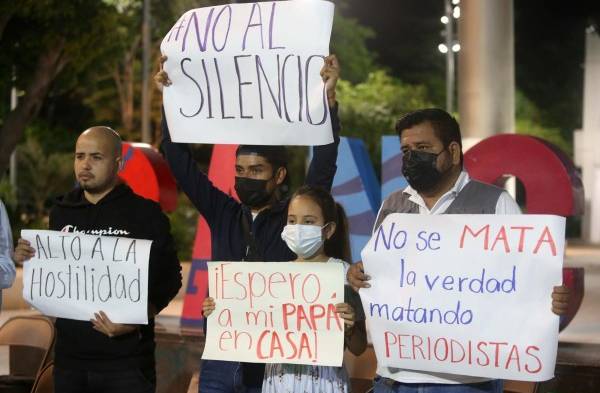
[(78, 345), (223, 213)]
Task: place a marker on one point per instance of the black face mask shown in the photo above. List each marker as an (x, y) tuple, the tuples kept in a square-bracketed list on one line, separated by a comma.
[(252, 192), (418, 167)]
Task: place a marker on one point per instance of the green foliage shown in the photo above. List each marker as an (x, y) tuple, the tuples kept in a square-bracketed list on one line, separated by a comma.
[(183, 227), (349, 44), (371, 108), (41, 177), (529, 121)]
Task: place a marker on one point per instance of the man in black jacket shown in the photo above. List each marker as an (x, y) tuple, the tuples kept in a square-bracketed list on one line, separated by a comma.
[(99, 355), (250, 230)]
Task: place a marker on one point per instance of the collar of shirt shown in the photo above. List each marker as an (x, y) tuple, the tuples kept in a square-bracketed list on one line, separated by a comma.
[(445, 200)]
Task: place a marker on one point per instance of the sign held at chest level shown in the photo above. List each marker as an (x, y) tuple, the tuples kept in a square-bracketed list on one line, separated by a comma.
[(74, 275), (465, 294)]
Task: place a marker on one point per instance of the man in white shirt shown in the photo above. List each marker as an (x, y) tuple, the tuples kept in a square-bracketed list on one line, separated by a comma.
[(7, 266), (431, 144)]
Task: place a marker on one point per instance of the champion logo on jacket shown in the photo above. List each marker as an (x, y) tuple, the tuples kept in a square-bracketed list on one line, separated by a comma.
[(101, 232)]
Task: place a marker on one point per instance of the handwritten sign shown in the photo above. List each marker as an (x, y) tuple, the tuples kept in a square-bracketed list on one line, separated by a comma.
[(276, 312), (249, 74), (465, 294), (74, 275)]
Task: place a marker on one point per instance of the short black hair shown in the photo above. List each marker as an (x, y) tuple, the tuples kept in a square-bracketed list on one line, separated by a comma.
[(275, 155), (444, 125)]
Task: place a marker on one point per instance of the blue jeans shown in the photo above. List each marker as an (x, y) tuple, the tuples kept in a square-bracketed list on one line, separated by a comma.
[(383, 386), (217, 376), (122, 381)]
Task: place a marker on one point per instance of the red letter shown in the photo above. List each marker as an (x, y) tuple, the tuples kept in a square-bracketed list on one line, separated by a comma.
[(292, 344), (452, 342), (223, 280), (521, 236), (546, 238), (221, 338), (304, 344), (497, 352), (259, 353), (501, 236), (302, 317), (485, 229), (539, 362), (487, 358), (272, 281), (332, 314), (317, 311), (400, 345), (417, 346), (287, 313), (386, 335), (435, 347), (514, 351), (251, 285), (276, 345)]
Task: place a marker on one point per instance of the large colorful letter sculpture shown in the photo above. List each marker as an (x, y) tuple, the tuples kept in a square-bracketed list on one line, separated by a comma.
[(552, 183), (148, 174)]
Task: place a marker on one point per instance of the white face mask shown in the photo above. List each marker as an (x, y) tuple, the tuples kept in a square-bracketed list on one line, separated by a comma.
[(303, 240)]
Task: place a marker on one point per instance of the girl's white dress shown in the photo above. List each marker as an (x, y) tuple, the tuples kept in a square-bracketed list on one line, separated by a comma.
[(298, 378)]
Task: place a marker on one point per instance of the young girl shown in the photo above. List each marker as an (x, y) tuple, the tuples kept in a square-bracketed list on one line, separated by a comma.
[(316, 231)]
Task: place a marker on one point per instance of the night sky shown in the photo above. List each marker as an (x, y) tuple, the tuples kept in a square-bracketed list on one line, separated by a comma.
[(549, 47)]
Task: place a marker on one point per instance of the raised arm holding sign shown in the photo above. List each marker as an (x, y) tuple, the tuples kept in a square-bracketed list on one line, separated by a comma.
[(264, 81)]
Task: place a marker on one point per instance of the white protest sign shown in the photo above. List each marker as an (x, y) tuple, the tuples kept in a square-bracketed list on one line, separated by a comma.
[(249, 74), (276, 312), (74, 275), (465, 294)]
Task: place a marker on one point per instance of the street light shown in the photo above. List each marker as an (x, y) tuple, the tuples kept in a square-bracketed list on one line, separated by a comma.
[(456, 12), (450, 47)]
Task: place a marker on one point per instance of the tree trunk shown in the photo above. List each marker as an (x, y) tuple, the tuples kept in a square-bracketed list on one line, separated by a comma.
[(50, 64), (5, 15), (124, 79)]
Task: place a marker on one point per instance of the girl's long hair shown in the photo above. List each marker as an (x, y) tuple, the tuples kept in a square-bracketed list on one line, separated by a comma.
[(338, 245)]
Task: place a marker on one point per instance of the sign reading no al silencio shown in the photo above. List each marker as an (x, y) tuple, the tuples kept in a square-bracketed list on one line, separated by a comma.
[(74, 275), (465, 294), (249, 74)]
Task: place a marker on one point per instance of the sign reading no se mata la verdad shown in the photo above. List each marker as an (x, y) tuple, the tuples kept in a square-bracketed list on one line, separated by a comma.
[(465, 294), (276, 312), (74, 275), (249, 74)]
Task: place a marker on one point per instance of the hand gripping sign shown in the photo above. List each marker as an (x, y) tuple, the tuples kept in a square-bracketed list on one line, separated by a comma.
[(249, 74), (465, 294)]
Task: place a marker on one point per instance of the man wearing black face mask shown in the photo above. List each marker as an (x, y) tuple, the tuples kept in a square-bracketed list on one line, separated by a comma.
[(432, 164), (250, 230)]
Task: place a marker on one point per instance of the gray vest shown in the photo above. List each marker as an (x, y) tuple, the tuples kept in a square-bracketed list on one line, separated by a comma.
[(475, 198)]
